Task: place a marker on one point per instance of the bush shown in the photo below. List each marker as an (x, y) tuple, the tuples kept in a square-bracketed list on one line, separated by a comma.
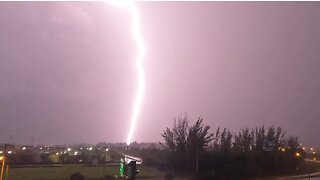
[(169, 176), (76, 176)]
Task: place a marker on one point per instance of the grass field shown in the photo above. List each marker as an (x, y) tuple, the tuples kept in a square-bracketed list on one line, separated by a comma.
[(89, 172)]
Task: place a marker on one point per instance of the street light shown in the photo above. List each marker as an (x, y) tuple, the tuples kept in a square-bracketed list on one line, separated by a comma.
[(3, 159), (298, 154)]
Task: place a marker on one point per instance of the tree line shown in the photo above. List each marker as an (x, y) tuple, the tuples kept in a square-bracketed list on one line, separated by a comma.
[(205, 154)]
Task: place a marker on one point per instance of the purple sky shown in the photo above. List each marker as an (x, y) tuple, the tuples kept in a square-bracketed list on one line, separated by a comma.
[(67, 71)]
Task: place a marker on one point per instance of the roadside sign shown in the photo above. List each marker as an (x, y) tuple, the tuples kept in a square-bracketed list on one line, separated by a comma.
[(121, 170), (269, 145)]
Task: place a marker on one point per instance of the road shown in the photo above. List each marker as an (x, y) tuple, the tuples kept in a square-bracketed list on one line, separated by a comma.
[(312, 176)]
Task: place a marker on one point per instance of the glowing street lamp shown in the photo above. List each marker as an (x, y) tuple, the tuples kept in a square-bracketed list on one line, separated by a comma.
[(298, 154), (3, 159)]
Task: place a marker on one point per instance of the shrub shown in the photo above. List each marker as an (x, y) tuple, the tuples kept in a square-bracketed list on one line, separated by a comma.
[(76, 176)]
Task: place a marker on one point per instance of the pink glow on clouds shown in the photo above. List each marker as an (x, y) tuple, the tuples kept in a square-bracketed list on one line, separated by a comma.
[(66, 73)]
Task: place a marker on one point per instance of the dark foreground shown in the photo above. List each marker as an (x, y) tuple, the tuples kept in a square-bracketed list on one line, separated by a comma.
[(64, 172)]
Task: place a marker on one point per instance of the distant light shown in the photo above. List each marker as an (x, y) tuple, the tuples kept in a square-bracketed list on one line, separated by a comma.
[(1, 158), (313, 152), (283, 149), (68, 149), (41, 148), (9, 152), (90, 148), (81, 148), (107, 149), (1, 152), (24, 148), (314, 158), (298, 154), (311, 149), (304, 148), (75, 153), (57, 153)]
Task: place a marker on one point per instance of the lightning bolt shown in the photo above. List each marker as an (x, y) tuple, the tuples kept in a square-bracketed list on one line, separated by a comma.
[(136, 33)]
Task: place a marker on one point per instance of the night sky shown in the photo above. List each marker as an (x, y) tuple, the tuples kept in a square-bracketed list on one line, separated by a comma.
[(67, 70)]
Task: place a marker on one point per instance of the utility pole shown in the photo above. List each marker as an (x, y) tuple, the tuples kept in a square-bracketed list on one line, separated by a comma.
[(7, 172), (32, 141), (197, 159), (11, 139)]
